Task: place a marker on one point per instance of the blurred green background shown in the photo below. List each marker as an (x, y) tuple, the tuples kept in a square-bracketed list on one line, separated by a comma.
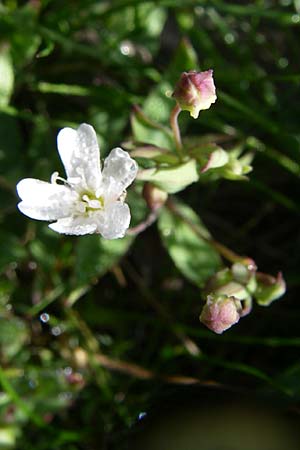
[(97, 336)]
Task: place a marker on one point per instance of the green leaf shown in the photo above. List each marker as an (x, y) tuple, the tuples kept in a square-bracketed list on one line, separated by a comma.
[(148, 131), (6, 76), (159, 103), (172, 179), (185, 59), (47, 50), (95, 256), (192, 255)]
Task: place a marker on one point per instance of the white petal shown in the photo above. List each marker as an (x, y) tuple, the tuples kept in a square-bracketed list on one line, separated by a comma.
[(77, 226), (45, 201), (114, 221), (80, 154), (119, 172)]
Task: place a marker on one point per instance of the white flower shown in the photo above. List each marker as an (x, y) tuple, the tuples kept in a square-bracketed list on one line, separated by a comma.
[(88, 201)]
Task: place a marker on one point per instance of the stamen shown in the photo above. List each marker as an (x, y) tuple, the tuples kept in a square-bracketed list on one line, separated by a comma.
[(93, 203), (55, 177)]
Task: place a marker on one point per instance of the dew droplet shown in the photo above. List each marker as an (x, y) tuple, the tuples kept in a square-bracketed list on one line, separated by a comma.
[(283, 63), (44, 317), (295, 18), (68, 371), (56, 331), (127, 49), (32, 265), (142, 415), (167, 232), (65, 396), (229, 38), (32, 384)]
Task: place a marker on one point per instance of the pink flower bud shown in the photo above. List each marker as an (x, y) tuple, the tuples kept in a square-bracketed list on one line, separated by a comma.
[(220, 312), (195, 91)]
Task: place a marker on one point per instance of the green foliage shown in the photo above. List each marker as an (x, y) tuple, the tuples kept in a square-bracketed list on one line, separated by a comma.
[(147, 131), (186, 239), (6, 76), (172, 179)]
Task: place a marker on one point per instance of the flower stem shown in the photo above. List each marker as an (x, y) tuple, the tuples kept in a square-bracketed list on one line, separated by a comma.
[(175, 128), (143, 225)]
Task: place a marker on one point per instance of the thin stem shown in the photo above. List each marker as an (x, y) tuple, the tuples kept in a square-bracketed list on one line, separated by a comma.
[(137, 371), (175, 128), (143, 225)]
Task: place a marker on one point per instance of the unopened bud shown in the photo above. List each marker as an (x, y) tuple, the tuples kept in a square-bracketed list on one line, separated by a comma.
[(238, 281), (234, 289), (155, 197), (217, 158), (244, 273), (236, 170), (195, 91), (269, 288), (220, 312)]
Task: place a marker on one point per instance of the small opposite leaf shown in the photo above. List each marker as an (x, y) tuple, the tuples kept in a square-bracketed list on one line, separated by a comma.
[(148, 131), (192, 255), (171, 179)]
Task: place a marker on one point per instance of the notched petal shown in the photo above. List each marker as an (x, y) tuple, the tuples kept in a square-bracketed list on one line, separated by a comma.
[(45, 201), (115, 221), (80, 155)]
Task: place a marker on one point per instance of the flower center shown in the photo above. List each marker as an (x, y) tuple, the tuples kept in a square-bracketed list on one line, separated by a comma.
[(89, 202)]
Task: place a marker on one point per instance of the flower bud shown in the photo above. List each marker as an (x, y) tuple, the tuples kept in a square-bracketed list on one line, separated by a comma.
[(234, 289), (269, 288), (220, 312), (195, 91), (238, 281), (217, 158), (155, 197), (243, 272)]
